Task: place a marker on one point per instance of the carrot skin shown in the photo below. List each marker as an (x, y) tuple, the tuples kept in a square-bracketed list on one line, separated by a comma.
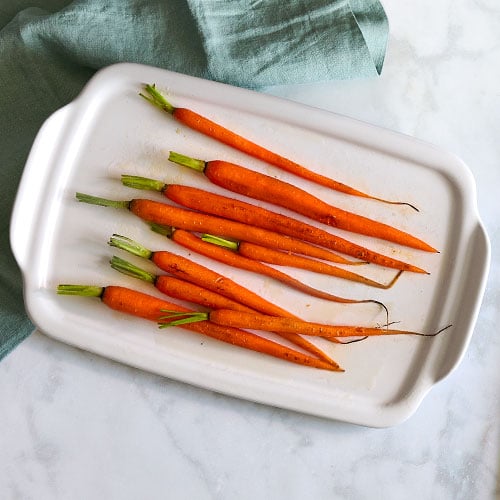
[(185, 290), (256, 321), (239, 211), (180, 289), (189, 240), (136, 303), (246, 213), (188, 270), (212, 129), (259, 186), (148, 307), (168, 215), (276, 257), (207, 127), (190, 292)]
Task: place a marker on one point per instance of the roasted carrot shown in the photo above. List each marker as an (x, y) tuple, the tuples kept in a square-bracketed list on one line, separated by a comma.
[(189, 292), (207, 127), (168, 215), (161, 283), (263, 187), (279, 258), (145, 306), (226, 256), (262, 322), (247, 213), (187, 270), (211, 203)]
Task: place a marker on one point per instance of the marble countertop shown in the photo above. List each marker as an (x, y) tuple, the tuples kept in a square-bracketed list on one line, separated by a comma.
[(75, 425)]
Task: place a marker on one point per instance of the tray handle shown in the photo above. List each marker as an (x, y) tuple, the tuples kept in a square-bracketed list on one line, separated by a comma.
[(475, 277), (33, 179)]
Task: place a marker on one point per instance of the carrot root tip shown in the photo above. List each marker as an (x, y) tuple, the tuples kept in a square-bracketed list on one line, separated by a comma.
[(353, 341)]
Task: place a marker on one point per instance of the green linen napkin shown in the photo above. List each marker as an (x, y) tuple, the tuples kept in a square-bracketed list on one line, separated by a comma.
[(50, 48)]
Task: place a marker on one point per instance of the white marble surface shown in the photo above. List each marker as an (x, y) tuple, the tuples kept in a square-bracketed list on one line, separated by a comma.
[(76, 426)]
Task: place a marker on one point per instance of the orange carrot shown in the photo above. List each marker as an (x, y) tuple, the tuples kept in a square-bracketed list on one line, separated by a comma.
[(246, 213), (189, 292), (207, 127), (187, 270), (145, 306), (192, 242), (256, 321), (279, 258), (213, 204), (263, 187), (167, 215), (160, 282)]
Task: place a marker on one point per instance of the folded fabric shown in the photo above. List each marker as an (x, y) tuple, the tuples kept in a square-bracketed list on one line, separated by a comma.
[(48, 54)]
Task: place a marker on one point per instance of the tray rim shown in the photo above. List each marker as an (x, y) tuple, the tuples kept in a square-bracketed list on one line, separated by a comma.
[(393, 414)]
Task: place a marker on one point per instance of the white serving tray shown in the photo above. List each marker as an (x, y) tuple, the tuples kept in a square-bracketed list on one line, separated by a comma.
[(109, 130)]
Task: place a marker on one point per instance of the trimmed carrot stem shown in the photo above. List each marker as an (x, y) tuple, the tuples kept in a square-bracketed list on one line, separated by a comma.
[(263, 187), (126, 300), (246, 213), (207, 127)]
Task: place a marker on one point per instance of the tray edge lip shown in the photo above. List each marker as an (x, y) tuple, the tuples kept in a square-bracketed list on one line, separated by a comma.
[(397, 411)]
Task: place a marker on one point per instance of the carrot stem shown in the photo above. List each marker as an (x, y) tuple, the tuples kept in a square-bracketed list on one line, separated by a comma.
[(222, 242), (162, 229), (136, 182), (187, 161), (80, 290), (103, 202), (193, 317), (157, 99), (126, 267), (185, 319), (129, 245)]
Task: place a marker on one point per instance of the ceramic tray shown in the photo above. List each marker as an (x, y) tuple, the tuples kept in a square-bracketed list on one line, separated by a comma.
[(109, 130)]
